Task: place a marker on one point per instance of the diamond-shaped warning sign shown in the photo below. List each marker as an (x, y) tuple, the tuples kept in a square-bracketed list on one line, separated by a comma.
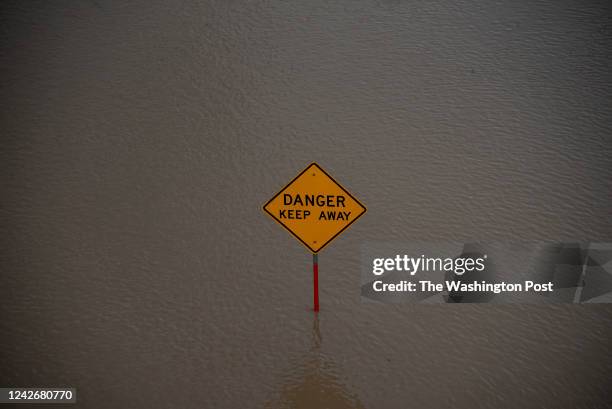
[(314, 208)]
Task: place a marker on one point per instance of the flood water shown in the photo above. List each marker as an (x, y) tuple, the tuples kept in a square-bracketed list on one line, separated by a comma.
[(140, 140)]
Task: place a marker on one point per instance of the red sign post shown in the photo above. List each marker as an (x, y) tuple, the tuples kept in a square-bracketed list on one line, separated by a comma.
[(315, 280)]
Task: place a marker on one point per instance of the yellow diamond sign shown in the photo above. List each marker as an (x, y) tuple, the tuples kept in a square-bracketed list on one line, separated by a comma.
[(314, 208)]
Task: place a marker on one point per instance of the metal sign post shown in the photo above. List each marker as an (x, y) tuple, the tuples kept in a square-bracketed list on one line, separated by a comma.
[(315, 280)]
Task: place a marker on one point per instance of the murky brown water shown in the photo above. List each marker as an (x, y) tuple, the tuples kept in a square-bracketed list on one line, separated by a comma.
[(140, 141)]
